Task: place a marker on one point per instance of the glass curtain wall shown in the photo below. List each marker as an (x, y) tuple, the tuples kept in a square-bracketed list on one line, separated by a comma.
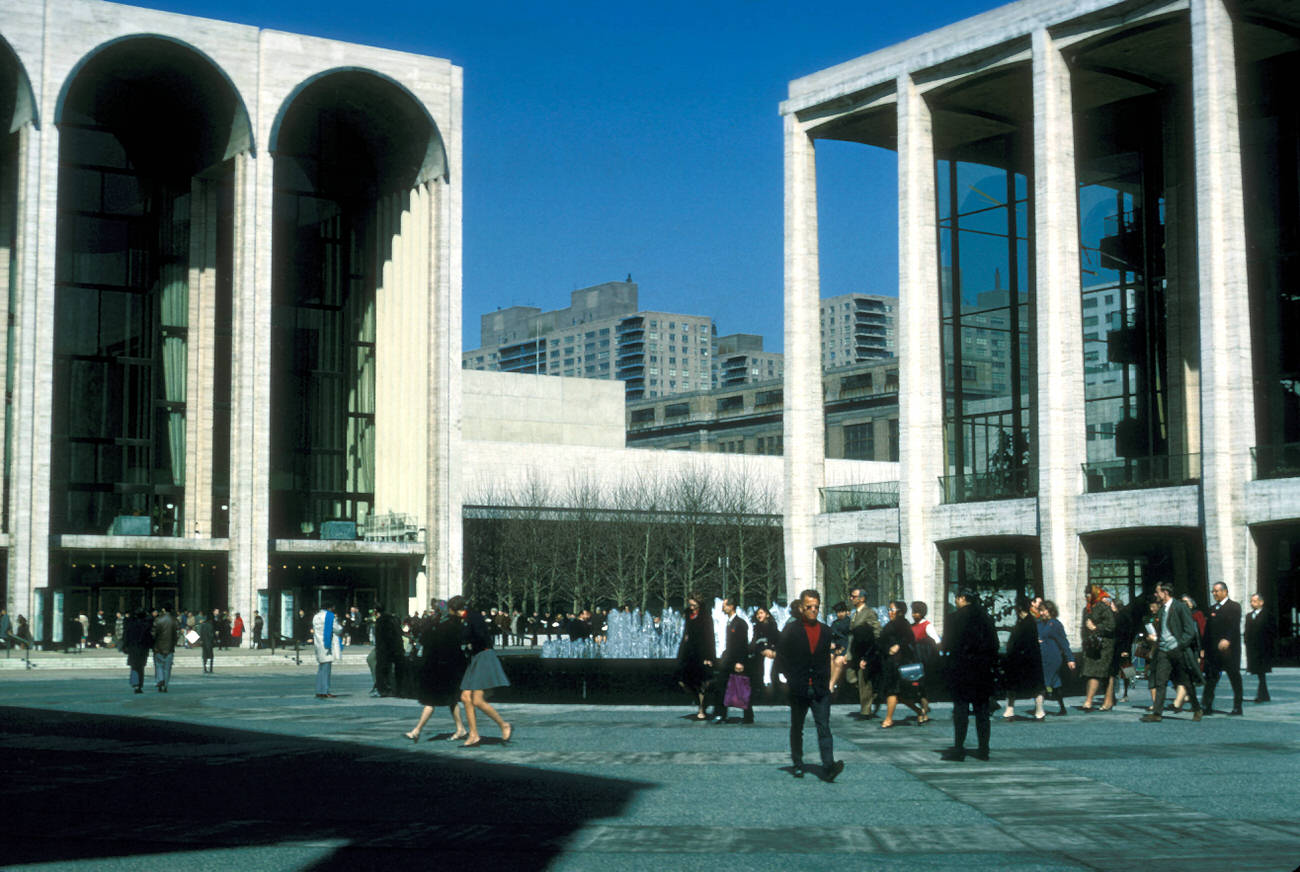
[(999, 572), (986, 301), (323, 391), (1270, 131), (121, 330), (1125, 297)]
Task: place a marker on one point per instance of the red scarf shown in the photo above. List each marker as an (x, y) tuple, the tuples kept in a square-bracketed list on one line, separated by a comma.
[(814, 631)]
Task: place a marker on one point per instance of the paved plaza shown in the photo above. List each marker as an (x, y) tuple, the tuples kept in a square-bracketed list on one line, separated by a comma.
[(246, 769)]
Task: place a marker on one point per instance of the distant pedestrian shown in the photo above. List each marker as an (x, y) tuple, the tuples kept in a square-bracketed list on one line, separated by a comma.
[(327, 637), (971, 644), (1174, 644), (166, 635), (1221, 645), (1098, 648), (207, 631), (1055, 651), (695, 654), (441, 672), (237, 631), (258, 626), (735, 662), (388, 652), (1261, 637), (762, 647), (137, 641), (6, 627), (1022, 666), (483, 673), (863, 665), (897, 647), (804, 658)]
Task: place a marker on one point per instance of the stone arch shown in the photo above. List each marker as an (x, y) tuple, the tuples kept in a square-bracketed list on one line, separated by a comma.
[(17, 100)]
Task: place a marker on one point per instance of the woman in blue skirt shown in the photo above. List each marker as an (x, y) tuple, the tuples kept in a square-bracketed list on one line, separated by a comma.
[(483, 673)]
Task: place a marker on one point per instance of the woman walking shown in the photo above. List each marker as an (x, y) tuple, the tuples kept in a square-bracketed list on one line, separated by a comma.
[(1055, 650), (1022, 666), (897, 646), (137, 642), (1098, 648), (695, 654), (441, 673), (483, 673)]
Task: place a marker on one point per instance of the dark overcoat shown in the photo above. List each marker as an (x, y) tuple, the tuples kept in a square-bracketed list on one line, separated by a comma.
[(970, 642), (1022, 666)]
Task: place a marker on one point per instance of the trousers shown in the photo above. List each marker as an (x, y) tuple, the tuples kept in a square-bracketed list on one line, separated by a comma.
[(162, 668), (818, 699)]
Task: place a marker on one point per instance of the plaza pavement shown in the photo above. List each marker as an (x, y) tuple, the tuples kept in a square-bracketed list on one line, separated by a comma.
[(246, 769)]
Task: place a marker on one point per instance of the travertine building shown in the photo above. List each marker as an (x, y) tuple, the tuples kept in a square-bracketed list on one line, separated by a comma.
[(232, 262), (1098, 202)]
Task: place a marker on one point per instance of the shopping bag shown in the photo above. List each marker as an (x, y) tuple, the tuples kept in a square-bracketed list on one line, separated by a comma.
[(737, 695)]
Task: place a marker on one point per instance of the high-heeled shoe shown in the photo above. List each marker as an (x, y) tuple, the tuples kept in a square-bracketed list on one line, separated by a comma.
[(506, 732), (413, 738)]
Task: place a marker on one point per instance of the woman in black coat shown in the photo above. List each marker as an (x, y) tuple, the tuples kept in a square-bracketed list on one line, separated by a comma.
[(897, 646), (440, 674), (695, 654), (1022, 665), (762, 647), (137, 642)]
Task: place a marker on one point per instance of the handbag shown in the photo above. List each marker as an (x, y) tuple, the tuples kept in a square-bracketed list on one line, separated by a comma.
[(737, 695), (911, 673)]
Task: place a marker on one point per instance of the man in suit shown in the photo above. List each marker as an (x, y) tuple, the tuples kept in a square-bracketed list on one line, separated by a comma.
[(864, 626), (1261, 635), (1222, 647), (735, 660), (970, 642), (803, 656), (1173, 652)]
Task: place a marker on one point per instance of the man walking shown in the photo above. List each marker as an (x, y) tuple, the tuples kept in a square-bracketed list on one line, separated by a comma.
[(1222, 647), (327, 638), (207, 631), (803, 656), (735, 659), (1261, 636), (1173, 654), (861, 665), (166, 634), (971, 643), (258, 624)]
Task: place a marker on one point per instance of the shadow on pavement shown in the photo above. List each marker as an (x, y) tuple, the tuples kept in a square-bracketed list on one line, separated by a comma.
[(80, 787)]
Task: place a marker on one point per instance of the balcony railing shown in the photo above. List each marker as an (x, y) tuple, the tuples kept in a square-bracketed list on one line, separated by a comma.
[(858, 497), (1129, 473), (974, 487), (1276, 461)]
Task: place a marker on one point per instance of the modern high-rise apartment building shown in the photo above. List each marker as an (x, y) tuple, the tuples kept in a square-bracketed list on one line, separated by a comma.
[(739, 359), (603, 335), (857, 328)]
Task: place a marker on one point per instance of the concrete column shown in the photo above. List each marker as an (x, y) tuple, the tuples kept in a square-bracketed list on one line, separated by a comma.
[(1227, 391), (920, 358), (24, 573), (200, 362), (1061, 443), (250, 395), (804, 422)]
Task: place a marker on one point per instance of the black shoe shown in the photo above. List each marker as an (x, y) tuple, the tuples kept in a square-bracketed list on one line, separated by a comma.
[(1261, 699), (797, 771), (1237, 712), (954, 755), (747, 719), (981, 754), (1197, 715), (833, 771), (139, 690), (1151, 719)]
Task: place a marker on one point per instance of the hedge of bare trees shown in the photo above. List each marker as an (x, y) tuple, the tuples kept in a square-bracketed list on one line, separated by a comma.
[(641, 541)]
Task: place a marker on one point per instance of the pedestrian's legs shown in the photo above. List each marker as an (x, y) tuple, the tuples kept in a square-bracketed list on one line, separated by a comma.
[(419, 725), (1211, 682), (821, 712), (982, 728), (1261, 691), (472, 737), (960, 721), (1089, 692), (798, 711), (1160, 669), (1010, 711), (481, 703), (866, 694), (1234, 678), (323, 671)]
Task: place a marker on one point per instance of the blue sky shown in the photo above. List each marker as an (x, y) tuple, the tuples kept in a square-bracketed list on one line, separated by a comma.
[(608, 138)]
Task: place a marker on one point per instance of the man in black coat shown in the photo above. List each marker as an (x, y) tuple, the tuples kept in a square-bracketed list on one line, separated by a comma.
[(1173, 652), (1222, 647), (388, 651), (735, 660), (803, 656), (971, 643), (1261, 636)]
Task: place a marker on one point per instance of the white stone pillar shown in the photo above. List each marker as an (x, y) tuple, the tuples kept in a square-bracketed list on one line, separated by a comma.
[(1227, 390), (200, 362), (28, 570), (250, 393), (804, 417), (920, 351), (1061, 444)]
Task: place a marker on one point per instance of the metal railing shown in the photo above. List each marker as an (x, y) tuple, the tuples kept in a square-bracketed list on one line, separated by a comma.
[(1129, 473), (1276, 461), (974, 487), (859, 497)]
